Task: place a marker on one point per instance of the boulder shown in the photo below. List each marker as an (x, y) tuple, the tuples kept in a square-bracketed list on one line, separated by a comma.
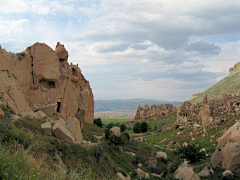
[(116, 131), (227, 172), (207, 171), (170, 144), (2, 115), (73, 125), (152, 162), (61, 132), (122, 177), (161, 154), (40, 114), (139, 165), (186, 173), (46, 127), (49, 109), (61, 52), (140, 173), (139, 139), (185, 144)]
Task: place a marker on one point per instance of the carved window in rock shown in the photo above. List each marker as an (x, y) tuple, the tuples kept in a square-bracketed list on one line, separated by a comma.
[(48, 84)]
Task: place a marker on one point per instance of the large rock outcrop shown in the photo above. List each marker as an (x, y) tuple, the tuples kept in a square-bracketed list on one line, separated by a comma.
[(227, 153), (40, 78)]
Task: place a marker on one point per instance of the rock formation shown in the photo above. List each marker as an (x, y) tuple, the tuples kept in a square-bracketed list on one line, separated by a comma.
[(39, 81), (145, 111)]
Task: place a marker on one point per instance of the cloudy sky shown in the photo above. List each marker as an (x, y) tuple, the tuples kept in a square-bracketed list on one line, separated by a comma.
[(156, 49)]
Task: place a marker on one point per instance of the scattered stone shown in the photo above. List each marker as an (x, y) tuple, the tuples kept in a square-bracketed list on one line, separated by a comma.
[(116, 131), (61, 132), (170, 144), (139, 165), (177, 144), (227, 172), (185, 144), (161, 154), (140, 173), (47, 128), (207, 171), (186, 173), (122, 177), (139, 139)]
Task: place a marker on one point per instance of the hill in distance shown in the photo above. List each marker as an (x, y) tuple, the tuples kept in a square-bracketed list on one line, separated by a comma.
[(126, 107)]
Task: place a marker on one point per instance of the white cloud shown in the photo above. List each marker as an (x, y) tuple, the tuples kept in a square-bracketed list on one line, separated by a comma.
[(13, 6)]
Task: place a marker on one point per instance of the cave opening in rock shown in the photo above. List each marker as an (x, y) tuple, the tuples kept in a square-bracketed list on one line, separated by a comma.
[(74, 72), (47, 83), (58, 107)]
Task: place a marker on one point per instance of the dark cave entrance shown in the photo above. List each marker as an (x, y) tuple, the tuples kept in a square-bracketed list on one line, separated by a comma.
[(58, 107), (47, 83)]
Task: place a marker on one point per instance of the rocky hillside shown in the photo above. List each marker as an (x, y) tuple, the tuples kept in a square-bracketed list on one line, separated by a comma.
[(228, 85)]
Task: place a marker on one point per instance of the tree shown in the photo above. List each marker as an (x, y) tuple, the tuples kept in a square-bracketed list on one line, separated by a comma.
[(98, 122), (136, 128), (109, 126), (192, 152), (116, 140), (160, 124), (143, 127), (123, 127)]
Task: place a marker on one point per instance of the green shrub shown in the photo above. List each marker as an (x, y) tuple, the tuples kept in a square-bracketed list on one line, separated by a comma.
[(143, 127), (123, 127), (98, 122), (108, 133), (160, 124), (125, 136), (116, 140), (98, 151), (155, 170), (138, 159), (109, 126), (192, 153), (136, 128)]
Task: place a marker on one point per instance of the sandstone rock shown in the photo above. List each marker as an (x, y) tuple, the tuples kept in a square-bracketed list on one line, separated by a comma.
[(139, 165), (185, 144), (170, 144), (40, 114), (140, 173), (116, 131), (218, 120), (146, 176), (43, 80), (161, 154), (61, 132), (207, 171), (62, 167), (186, 173), (177, 144), (139, 139), (61, 52), (152, 162), (73, 125), (47, 128), (60, 120), (227, 172), (122, 177), (2, 115)]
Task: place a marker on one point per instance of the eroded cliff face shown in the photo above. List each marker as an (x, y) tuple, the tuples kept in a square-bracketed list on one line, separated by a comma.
[(40, 79)]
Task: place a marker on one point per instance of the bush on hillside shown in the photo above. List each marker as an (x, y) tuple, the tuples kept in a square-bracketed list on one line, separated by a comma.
[(192, 153), (98, 122), (98, 151), (116, 140), (136, 128), (160, 124), (140, 127), (123, 127), (108, 133), (110, 125), (143, 127), (139, 159)]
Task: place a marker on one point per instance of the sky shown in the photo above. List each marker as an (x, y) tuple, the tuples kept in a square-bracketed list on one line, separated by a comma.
[(154, 49)]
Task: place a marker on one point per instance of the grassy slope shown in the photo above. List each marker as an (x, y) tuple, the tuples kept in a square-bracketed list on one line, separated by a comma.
[(229, 84), (35, 156)]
